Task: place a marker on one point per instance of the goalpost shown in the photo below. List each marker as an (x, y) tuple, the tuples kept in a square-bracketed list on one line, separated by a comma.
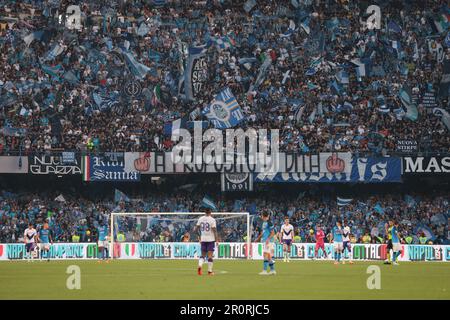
[(187, 220)]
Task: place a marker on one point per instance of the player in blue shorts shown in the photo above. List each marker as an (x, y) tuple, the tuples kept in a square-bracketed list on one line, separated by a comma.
[(102, 234), (336, 237), (396, 247), (45, 239), (267, 236)]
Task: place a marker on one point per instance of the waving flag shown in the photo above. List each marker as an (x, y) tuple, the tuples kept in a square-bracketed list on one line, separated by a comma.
[(143, 29), (248, 5), (208, 202), (37, 35), (223, 42), (60, 198), (394, 27), (343, 202), (442, 22), (54, 52), (410, 201), (426, 230), (104, 101), (305, 26), (362, 68), (120, 196), (290, 29), (335, 87), (262, 73), (55, 71), (445, 116), (314, 66), (378, 208), (447, 40), (69, 76), (342, 77), (444, 86), (224, 111), (406, 99), (156, 97), (137, 69)]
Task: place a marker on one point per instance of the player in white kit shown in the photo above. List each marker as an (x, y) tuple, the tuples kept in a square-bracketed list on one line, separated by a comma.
[(346, 244), (29, 238), (208, 238), (286, 236)]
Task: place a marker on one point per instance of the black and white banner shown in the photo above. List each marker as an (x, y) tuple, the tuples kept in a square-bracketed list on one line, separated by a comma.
[(407, 146), (56, 163), (237, 181), (196, 72), (417, 165)]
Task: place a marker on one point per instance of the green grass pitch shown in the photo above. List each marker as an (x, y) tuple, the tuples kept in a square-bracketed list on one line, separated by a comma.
[(234, 279)]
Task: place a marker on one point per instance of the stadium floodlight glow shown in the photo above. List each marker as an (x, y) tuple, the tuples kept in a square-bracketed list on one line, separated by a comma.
[(220, 217)]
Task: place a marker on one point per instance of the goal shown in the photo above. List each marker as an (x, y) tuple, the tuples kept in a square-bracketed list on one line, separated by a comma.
[(170, 235)]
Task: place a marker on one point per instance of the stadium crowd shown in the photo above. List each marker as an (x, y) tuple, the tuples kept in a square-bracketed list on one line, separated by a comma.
[(422, 217), (329, 82)]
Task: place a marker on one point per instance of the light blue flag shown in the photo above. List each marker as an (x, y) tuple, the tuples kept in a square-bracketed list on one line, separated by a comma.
[(295, 3), (69, 76), (343, 77), (248, 5), (143, 29), (378, 208), (54, 52), (410, 201), (120, 196), (208, 202), (262, 73), (405, 95), (55, 71), (312, 116), (37, 35), (137, 69), (237, 207)]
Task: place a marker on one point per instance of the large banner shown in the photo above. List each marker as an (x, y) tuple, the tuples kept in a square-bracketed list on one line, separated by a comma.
[(107, 167), (371, 170), (13, 164), (320, 163), (421, 165), (63, 163), (235, 250)]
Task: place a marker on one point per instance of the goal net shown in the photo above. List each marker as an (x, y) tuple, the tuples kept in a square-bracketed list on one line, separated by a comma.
[(170, 235)]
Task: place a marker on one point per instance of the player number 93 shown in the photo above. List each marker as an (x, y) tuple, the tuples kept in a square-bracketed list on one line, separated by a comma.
[(247, 309)]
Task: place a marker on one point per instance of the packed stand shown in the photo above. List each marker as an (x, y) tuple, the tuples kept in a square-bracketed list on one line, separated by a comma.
[(78, 216), (313, 69)]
